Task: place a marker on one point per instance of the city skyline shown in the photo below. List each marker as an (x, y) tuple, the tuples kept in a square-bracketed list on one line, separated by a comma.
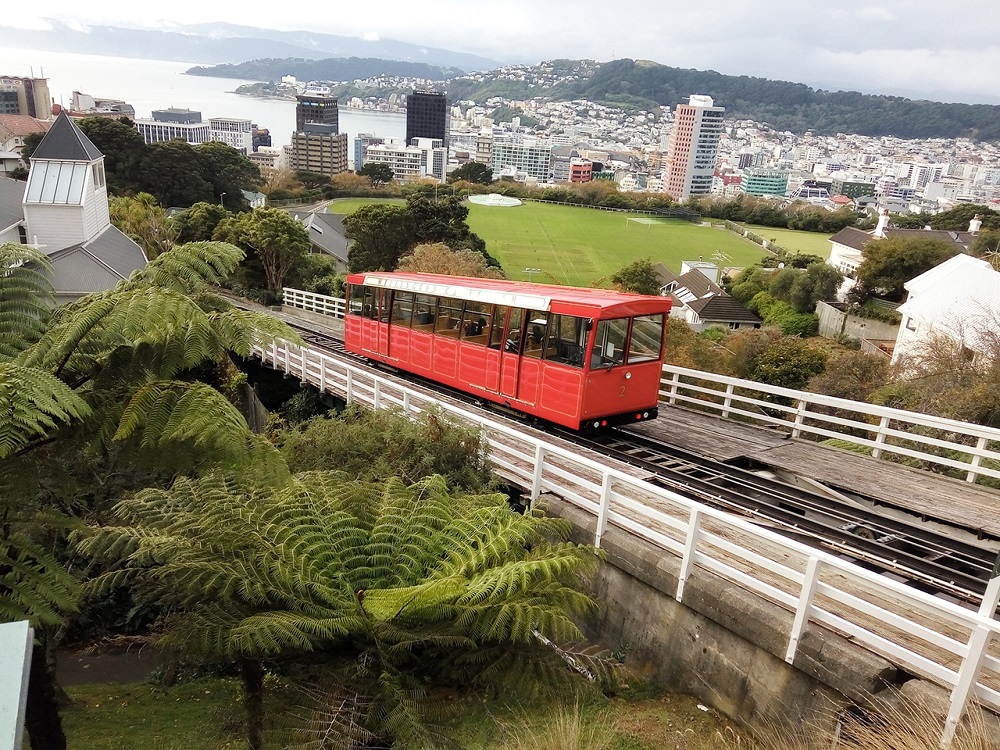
[(919, 49)]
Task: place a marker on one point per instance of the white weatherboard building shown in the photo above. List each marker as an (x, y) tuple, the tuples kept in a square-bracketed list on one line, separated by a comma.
[(959, 298)]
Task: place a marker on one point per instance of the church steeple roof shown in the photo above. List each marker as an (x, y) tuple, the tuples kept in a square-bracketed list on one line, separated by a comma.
[(66, 142)]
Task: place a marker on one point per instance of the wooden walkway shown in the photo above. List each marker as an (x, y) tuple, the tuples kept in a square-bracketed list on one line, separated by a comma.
[(931, 496)]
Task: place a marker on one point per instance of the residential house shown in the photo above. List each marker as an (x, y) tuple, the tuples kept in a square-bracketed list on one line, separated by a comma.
[(63, 211), (959, 298), (326, 232), (701, 301)]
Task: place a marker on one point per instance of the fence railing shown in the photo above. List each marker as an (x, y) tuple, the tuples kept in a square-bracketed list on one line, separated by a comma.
[(936, 639), (881, 430), (317, 303)]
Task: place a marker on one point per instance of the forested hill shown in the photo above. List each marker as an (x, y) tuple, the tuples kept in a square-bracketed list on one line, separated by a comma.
[(330, 69), (793, 106)]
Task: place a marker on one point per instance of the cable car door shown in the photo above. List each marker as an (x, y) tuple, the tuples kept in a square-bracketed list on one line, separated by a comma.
[(382, 335), (510, 357)]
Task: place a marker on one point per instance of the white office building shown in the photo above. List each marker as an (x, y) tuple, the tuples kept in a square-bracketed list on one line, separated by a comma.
[(692, 148), (534, 161), (232, 131)]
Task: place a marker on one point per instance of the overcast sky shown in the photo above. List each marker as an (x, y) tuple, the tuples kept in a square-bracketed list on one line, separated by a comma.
[(931, 49)]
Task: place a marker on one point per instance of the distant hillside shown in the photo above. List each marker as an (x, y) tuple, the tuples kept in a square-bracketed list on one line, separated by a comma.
[(783, 105), (794, 106), (333, 69), (229, 43)]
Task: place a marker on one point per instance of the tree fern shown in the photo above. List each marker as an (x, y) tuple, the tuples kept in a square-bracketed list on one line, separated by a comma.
[(400, 578)]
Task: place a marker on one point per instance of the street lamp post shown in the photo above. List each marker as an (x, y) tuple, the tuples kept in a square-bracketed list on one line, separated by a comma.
[(222, 200)]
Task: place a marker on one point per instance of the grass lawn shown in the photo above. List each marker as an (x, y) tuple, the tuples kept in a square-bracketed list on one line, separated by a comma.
[(206, 715), (817, 243), (346, 206), (582, 246)]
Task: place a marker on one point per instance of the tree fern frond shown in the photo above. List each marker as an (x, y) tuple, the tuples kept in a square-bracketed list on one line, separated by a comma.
[(187, 268), (33, 404)]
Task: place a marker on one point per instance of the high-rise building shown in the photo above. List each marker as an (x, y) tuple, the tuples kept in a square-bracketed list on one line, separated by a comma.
[(692, 148), (361, 145), (427, 116), (233, 131), (321, 110), (25, 96), (320, 149), (168, 124), (758, 181), (534, 161)]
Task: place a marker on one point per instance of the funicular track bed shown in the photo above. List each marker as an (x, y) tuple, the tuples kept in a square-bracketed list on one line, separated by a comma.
[(918, 554)]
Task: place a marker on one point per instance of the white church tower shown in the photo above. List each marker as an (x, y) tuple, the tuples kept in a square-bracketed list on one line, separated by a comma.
[(66, 200)]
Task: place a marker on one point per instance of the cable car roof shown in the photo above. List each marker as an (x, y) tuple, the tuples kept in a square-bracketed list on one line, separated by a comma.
[(510, 293)]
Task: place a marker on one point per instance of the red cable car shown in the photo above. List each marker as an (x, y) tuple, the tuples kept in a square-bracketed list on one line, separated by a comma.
[(582, 358)]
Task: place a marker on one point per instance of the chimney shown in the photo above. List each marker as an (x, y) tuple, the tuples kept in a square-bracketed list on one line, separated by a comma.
[(975, 224), (883, 222)]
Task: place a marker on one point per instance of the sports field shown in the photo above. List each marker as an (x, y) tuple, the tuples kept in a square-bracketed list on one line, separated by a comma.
[(583, 246), (816, 243)]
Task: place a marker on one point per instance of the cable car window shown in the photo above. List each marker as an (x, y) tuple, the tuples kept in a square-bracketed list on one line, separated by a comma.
[(609, 343), (356, 299), (449, 316), (423, 311), (566, 340), (475, 322), (513, 340), (536, 328), (370, 307), (402, 309), (496, 327), (647, 339)]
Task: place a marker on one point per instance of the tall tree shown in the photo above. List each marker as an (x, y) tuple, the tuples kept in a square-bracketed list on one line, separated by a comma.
[(380, 235), (105, 376), (198, 223), (439, 258), (397, 588), (123, 150), (145, 221), (638, 277), (276, 241), (229, 172), (172, 172), (889, 263), (379, 173), (472, 171)]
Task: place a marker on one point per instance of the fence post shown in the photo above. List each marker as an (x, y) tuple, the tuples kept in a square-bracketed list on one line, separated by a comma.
[(880, 436), (976, 461), (690, 545), (728, 402), (288, 364), (406, 402), (800, 417), (536, 474), (303, 367), (322, 373), (602, 511), (675, 381), (991, 598), (967, 673), (804, 607), (350, 387), (274, 353), (376, 392)]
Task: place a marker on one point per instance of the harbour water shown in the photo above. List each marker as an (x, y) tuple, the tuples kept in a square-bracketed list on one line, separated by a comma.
[(158, 84)]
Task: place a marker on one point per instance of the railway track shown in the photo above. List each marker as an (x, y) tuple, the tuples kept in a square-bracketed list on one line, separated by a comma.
[(918, 553)]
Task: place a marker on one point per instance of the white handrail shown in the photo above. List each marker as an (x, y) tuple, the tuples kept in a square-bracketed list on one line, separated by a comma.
[(313, 302), (806, 582), (890, 430)]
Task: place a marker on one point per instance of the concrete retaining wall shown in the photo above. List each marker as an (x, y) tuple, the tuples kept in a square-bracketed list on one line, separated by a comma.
[(833, 323), (725, 645)]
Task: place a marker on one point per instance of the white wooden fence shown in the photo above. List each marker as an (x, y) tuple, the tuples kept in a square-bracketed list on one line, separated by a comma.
[(936, 639), (962, 445), (959, 445)]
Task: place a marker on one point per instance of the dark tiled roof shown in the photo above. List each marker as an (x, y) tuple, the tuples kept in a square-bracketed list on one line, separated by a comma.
[(326, 231), (721, 308), (11, 195), (66, 142), (852, 238), (95, 266)]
